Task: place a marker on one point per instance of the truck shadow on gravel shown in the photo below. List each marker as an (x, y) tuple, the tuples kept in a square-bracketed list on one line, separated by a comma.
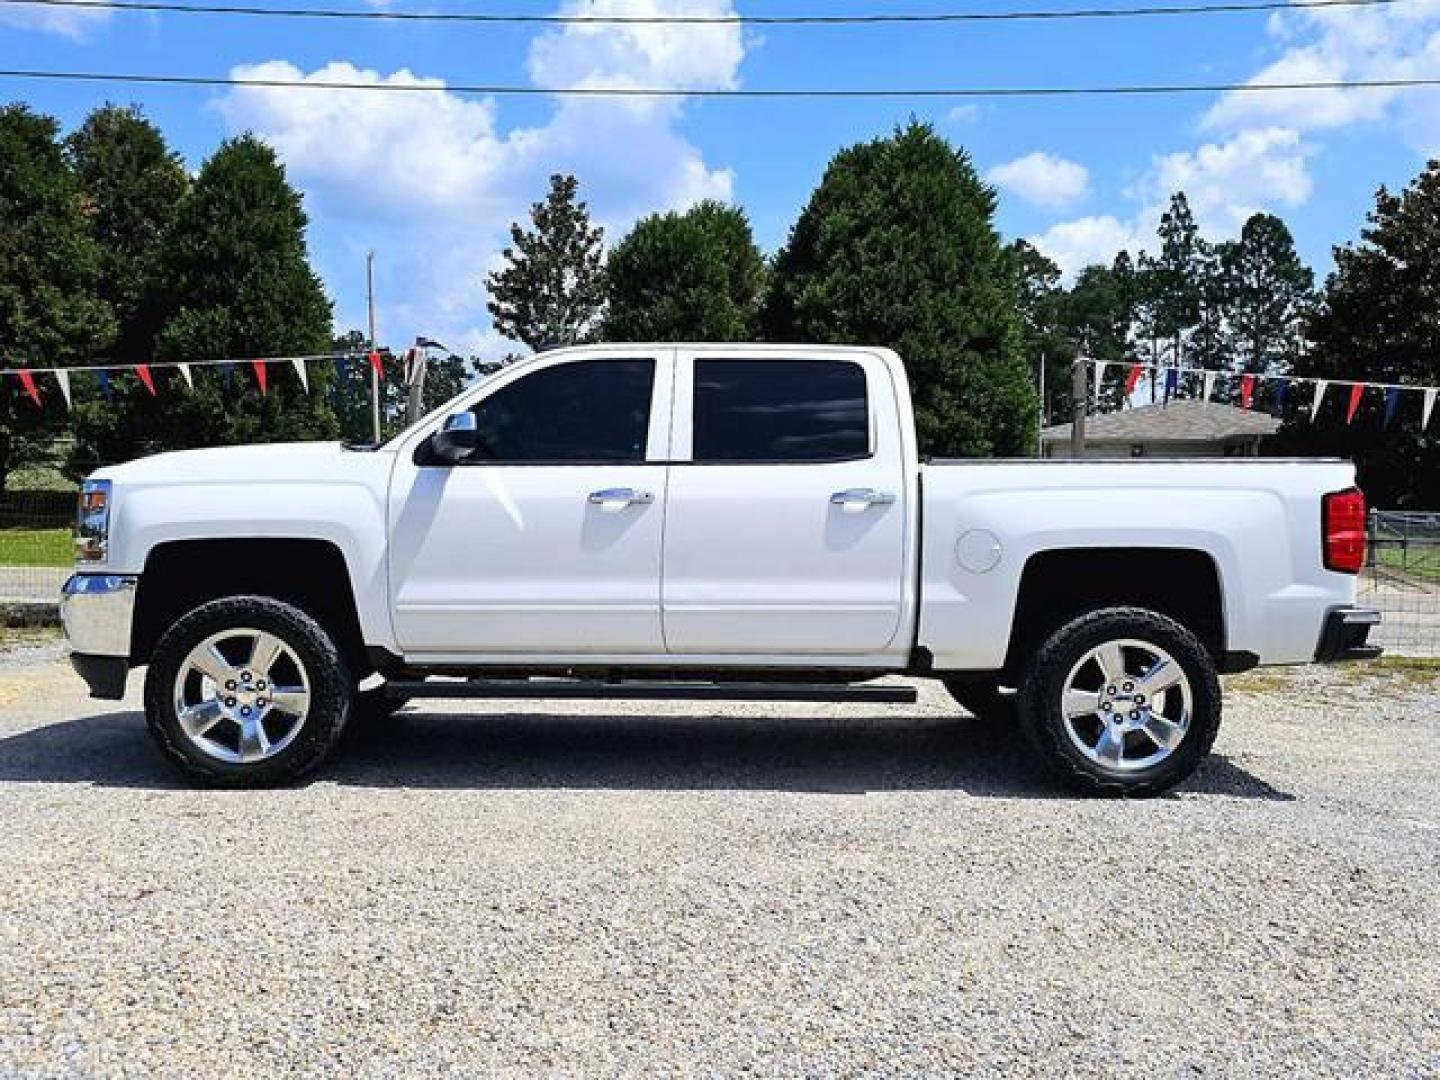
[(607, 752)]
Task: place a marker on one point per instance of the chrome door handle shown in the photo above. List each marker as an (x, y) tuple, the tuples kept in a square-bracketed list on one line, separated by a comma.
[(862, 497), (621, 497)]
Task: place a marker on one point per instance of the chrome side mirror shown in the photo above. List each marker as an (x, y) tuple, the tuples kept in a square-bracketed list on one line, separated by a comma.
[(457, 440)]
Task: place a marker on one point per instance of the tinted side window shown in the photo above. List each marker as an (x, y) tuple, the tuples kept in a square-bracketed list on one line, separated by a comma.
[(780, 410), (593, 411)]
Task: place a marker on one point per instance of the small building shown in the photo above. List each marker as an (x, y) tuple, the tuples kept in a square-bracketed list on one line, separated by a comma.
[(1180, 429)]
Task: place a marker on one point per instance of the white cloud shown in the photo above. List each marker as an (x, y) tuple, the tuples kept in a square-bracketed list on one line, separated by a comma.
[(1076, 244), (1383, 41), (1225, 182), (1228, 181), (965, 114), (63, 18), (432, 179), (1043, 179)]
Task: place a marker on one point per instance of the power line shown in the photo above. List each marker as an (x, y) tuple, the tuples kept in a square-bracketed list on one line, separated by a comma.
[(498, 18), (501, 90)]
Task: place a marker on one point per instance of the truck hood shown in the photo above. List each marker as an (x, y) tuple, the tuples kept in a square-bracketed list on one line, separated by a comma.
[(288, 462)]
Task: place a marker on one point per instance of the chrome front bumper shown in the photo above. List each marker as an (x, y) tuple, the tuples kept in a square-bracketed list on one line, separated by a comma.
[(97, 610)]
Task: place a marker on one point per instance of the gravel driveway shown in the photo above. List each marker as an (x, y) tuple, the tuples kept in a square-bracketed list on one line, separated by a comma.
[(606, 889)]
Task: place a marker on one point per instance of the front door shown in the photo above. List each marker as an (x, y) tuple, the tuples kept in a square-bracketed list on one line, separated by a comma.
[(548, 539), (786, 522)]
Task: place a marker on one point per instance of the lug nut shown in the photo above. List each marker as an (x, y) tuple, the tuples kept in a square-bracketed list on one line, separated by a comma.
[(260, 703), (245, 675), (229, 702), (1106, 706), (1139, 699), (230, 684), (1110, 690), (1128, 686), (1134, 716), (260, 684), (245, 711)]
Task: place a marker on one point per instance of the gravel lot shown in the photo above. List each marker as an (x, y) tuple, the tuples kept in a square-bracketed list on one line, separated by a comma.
[(722, 890)]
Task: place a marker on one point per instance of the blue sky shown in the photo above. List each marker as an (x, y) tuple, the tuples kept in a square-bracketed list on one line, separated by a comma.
[(431, 181)]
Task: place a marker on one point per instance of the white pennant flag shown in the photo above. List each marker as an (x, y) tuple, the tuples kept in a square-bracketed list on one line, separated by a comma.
[(1430, 396), (1100, 366), (1209, 386), (1320, 385), (63, 378), (300, 370), (185, 371)]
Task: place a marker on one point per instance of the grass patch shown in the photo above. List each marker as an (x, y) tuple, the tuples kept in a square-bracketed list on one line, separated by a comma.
[(35, 547), (1421, 561), (27, 637)]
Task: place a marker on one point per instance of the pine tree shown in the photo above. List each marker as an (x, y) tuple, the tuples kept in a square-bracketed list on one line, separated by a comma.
[(1269, 292), (897, 248), (50, 267), (551, 289), (692, 276)]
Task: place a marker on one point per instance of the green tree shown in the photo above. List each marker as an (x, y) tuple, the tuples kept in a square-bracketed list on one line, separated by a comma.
[(236, 275), (897, 248), (692, 276), (1269, 293), (1041, 300), (551, 289), (1376, 322), (131, 184), (50, 265), (1097, 314)]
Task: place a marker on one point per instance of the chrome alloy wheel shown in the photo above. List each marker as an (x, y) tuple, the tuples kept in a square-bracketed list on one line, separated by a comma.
[(242, 696), (1127, 705)]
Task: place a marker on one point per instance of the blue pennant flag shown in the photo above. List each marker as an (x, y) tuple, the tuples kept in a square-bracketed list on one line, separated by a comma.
[(1172, 381), (227, 372), (1392, 402), (103, 378), (1282, 397)]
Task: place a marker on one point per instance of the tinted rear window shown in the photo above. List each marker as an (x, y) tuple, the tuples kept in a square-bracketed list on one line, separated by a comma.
[(780, 410)]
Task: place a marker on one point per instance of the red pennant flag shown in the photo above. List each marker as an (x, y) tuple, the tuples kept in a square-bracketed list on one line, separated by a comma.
[(1356, 392), (28, 382), (1247, 390), (375, 363), (1132, 380), (259, 366), (145, 377)]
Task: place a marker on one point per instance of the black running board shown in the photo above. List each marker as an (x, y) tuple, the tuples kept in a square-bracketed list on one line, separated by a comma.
[(557, 689)]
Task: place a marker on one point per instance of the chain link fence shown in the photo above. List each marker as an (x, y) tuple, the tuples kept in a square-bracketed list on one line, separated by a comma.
[(37, 509), (1402, 579)]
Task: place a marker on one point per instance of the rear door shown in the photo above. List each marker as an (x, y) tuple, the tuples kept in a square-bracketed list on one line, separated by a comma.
[(785, 523)]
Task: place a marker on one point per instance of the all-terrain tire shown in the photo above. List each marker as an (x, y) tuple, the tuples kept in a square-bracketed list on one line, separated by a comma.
[(329, 683), (987, 701), (1041, 717)]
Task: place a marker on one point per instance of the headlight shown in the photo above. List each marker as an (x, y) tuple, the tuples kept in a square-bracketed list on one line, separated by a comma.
[(92, 521)]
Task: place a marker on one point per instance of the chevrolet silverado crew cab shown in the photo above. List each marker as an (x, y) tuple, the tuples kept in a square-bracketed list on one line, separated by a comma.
[(703, 522)]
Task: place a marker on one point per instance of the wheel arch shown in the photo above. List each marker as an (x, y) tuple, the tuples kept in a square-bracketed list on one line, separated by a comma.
[(311, 574), (1057, 585)]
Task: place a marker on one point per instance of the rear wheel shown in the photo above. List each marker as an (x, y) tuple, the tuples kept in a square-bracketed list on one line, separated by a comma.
[(1122, 701), (246, 692)]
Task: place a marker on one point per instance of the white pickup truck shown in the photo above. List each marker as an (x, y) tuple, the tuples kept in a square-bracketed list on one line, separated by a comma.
[(707, 521)]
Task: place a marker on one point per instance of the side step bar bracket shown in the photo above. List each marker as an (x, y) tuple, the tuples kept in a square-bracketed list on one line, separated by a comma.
[(558, 689)]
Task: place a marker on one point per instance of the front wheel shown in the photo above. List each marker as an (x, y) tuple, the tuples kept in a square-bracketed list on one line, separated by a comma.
[(1122, 701), (247, 692)]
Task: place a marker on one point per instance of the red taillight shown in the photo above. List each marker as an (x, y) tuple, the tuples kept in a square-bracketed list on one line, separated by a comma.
[(1343, 521)]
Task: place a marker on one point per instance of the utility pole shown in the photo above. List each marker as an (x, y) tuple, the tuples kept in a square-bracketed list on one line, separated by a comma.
[(1040, 435), (1080, 391), (374, 375)]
